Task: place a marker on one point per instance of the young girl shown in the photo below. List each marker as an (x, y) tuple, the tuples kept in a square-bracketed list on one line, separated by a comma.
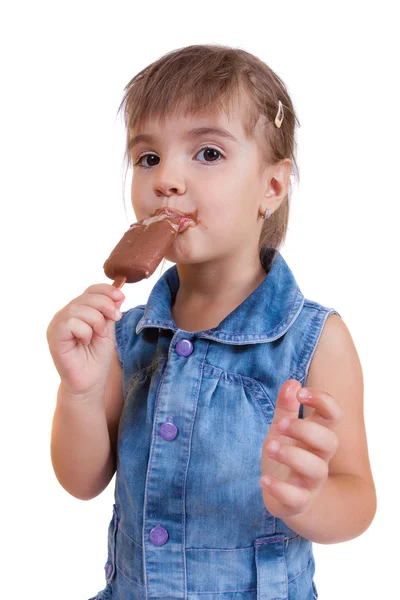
[(186, 398)]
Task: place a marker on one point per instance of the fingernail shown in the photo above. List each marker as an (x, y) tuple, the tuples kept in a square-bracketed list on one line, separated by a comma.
[(284, 424), (265, 481), (273, 446), (304, 393)]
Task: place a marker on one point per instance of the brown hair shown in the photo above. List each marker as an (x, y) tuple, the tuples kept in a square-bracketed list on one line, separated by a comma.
[(196, 78)]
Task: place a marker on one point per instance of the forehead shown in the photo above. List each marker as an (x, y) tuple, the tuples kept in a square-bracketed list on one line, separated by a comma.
[(178, 120)]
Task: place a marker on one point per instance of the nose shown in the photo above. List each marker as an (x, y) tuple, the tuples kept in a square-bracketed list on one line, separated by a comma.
[(168, 180)]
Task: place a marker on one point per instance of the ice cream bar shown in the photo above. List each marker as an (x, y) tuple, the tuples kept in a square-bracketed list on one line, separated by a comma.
[(141, 249)]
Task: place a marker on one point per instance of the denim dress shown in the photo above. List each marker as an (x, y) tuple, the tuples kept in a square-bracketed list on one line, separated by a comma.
[(189, 520)]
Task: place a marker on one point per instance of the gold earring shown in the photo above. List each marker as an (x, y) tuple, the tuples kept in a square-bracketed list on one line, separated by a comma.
[(266, 214)]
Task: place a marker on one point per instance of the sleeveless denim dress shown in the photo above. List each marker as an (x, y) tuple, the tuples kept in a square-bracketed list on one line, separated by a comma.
[(189, 520)]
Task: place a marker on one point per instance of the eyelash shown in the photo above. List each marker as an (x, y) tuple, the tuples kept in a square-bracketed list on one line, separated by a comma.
[(200, 149)]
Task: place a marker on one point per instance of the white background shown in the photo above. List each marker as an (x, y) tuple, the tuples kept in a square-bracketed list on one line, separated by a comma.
[(64, 68)]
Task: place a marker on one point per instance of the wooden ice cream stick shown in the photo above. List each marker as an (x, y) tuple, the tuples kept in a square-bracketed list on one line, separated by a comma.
[(119, 281)]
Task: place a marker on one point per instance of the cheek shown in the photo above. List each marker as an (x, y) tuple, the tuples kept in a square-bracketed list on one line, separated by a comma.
[(141, 207)]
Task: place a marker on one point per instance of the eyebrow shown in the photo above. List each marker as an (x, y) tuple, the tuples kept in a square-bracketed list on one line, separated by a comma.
[(192, 133)]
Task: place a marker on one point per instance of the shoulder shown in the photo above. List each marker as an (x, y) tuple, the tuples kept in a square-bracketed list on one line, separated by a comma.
[(335, 346), (335, 353)]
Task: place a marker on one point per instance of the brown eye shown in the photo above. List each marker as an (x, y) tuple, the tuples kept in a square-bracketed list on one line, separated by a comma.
[(150, 156), (210, 154)]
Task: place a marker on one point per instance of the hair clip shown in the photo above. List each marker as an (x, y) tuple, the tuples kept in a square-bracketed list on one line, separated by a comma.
[(279, 115)]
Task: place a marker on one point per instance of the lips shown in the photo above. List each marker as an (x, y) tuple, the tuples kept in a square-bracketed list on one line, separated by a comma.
[(185, 219)]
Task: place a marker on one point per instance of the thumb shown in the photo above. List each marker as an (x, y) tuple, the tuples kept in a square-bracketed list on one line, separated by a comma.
[(287, 404)]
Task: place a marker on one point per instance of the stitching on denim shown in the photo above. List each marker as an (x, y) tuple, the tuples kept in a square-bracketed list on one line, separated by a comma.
[(243, 383), (302, 571), (307, 345), (120, 329), (276, 539), (196, 397), (287, 317), (257, 569), (114, 541), (128, 578), (120, 342), (128, 536), (224, 591), (246, 549), (313, 335), (273, 540)]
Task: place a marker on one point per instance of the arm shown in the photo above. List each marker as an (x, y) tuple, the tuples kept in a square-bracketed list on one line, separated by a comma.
[(84, 434)]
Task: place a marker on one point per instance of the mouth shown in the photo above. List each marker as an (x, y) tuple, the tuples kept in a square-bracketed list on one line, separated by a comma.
[(186, 220)]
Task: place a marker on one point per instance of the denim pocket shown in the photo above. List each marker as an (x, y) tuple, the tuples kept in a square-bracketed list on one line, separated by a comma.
[(272, 577), (112, 532)]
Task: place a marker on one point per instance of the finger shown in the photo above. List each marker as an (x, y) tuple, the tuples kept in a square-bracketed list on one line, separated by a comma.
[(90, 316), (102, 303), (287, 404), (324, 403), (303, 462), (292, 497), (312, 434), (106, 289), (76, 328)]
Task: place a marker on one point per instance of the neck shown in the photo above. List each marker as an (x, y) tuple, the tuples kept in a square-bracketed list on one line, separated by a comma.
[(231, 279)]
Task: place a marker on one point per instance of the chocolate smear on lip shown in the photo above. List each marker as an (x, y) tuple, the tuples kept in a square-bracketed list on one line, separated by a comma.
[(174, 213)]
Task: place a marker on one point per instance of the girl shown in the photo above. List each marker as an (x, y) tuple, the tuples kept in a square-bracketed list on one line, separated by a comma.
[(227, 468)]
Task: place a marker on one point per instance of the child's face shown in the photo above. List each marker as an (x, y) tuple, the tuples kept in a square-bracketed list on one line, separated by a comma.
[(223, 184)]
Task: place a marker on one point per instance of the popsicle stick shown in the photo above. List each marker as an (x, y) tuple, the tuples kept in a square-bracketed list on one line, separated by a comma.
[(119, 281)]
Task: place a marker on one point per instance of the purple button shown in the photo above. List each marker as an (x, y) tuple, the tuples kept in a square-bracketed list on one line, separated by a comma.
[(168, 430), (158, 536), (184, 347)]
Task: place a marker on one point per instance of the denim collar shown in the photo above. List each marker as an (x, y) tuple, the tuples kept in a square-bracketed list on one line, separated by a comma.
[(264, 316)]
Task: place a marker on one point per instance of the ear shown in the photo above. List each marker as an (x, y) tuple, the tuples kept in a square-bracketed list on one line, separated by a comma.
[(278, 182)]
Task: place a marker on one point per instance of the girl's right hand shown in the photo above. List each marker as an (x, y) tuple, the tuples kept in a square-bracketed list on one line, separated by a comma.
[(79, 344)]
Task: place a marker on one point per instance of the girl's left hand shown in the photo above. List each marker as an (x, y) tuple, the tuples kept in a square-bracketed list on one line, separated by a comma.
[(300, 466)]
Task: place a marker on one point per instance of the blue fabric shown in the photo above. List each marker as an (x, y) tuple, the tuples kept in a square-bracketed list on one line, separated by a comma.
[(202, 487)]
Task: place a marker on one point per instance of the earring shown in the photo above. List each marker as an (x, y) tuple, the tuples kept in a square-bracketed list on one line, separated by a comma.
[(266, 214)]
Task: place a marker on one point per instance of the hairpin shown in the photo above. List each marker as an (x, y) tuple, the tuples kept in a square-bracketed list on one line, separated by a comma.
[(279, 115)]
